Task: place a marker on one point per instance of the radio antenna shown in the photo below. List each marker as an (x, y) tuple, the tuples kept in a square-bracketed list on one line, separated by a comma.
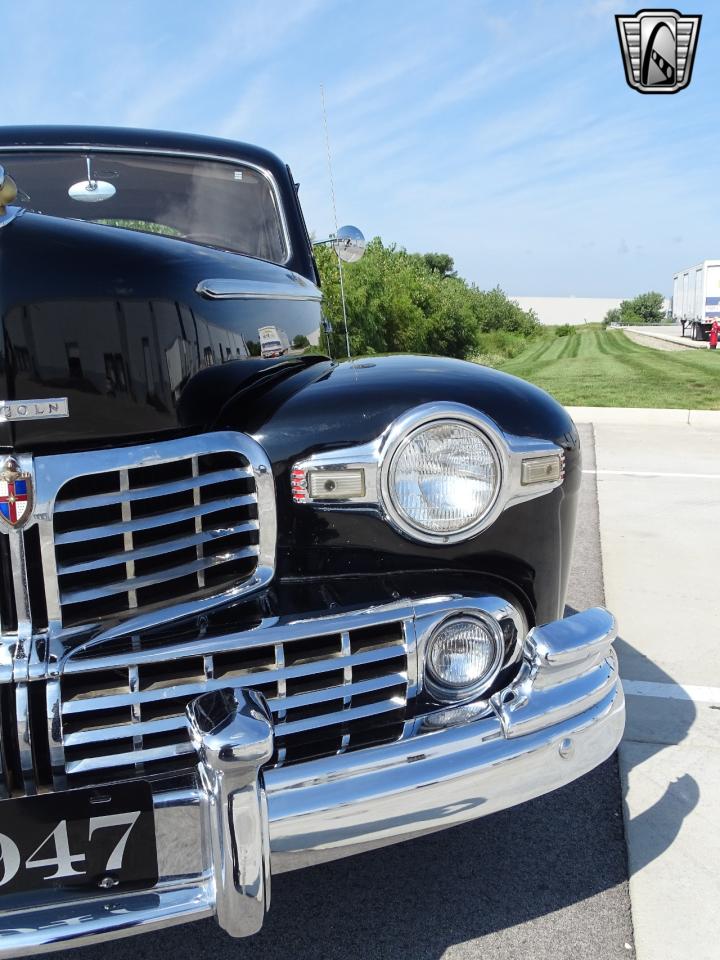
[(335, 220)]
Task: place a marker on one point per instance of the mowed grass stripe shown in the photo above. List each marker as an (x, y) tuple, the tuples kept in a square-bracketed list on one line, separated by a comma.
[(604, 368)]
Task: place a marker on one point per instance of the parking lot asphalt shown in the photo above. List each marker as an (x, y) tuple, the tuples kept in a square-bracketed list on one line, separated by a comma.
[(547, 879)]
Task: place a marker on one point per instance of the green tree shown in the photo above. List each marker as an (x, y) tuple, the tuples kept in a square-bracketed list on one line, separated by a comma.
[(645, 308), (648, 307), (441, 263), (300, 342), (402, 302), (494, 311)]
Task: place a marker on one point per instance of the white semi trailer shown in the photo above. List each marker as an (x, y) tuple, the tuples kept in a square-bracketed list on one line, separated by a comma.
[(696, 298)]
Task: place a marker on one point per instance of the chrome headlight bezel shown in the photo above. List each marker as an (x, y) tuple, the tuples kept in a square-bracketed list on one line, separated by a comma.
[(447, 693), (513, 454), (402, 433)]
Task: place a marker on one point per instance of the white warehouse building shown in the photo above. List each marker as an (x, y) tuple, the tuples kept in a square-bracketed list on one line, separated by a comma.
[(573, 310)]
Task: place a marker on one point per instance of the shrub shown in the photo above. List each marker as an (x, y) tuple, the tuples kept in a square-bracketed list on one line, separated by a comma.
[(645, 308), (400, 302)]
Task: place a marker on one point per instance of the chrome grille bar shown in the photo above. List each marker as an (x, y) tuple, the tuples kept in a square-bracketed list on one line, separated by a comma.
[(198, 521), (91, 703), (159, 490), (129, 758), (324, 679), (339, 717), (157, 549), (128, 545), (131, 584), (276, 704), (148, 523), (82, 659)]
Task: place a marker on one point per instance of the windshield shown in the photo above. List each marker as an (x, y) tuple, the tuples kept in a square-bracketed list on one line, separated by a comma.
[(220, 204)]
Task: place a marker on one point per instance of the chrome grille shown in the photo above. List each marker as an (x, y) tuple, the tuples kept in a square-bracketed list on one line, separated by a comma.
[(154, 534), (131, 530), (332, 685)]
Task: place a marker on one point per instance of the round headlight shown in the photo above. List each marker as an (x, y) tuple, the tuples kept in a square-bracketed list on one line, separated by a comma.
[(463, 657), (443, 480)]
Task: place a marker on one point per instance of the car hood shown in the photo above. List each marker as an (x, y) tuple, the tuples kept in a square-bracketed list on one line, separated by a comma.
[(111, 321)]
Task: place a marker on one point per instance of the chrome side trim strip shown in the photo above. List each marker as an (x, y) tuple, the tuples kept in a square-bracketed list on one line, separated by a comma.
[(297, 288)]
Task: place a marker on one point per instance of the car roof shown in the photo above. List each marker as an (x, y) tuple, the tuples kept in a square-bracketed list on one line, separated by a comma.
[(136, 139)]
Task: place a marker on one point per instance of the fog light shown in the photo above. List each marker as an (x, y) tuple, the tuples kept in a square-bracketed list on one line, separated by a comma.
[(463, 657)]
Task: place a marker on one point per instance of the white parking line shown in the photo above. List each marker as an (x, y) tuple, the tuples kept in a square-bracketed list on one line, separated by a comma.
[(672, 691), (653, 473)]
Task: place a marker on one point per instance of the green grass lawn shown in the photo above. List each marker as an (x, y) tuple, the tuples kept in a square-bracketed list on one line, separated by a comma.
[(604, 368)]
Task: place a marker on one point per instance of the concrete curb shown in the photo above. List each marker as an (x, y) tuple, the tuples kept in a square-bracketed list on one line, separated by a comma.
[(708, 419), (669, 335)]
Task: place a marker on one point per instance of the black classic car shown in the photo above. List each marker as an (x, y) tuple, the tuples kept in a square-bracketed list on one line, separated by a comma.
[(257, 612)]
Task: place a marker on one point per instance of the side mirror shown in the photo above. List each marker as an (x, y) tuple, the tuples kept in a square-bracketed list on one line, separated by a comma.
[(349, 244)]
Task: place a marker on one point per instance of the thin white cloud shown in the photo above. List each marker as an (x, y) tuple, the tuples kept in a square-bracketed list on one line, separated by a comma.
[(253, 33)]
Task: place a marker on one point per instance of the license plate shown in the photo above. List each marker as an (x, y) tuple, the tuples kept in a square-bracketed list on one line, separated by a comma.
[(100, 839)]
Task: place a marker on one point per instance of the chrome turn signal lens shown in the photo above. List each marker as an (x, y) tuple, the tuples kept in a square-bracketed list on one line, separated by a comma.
[(336, 484), (542, 470), (463, 657)]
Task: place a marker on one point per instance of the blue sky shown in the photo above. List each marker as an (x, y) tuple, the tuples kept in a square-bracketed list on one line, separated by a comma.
[(501, 133)]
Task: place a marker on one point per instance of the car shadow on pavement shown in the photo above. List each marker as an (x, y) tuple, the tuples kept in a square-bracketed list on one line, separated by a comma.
[(653, 724)]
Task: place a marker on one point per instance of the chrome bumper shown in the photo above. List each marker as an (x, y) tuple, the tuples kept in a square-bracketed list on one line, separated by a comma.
[(217, 841)]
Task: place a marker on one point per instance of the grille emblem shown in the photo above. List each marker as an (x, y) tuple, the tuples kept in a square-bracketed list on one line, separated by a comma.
[(16, 492)]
